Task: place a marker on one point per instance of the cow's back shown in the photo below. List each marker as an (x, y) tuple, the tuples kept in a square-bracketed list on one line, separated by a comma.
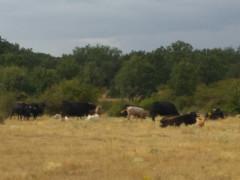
[(77, 108), (163, 108)]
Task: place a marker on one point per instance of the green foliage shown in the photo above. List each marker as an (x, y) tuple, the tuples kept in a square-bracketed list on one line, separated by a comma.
[(211, 69), (224, 94), (7, 99), (136, 79), (234, 99), (41, 79), (116, 108), (14, 78), (183, 79), (68, 68), (98, 64)]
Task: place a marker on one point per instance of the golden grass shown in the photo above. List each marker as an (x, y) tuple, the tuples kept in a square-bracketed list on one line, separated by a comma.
[(114, 148)]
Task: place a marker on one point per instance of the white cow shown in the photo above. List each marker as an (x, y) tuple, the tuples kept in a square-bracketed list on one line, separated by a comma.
[(136, 112)]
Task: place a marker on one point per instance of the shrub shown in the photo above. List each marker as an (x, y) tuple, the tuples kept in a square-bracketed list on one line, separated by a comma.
[(164, 94), (116, 108), (7, 99), (68, 90)]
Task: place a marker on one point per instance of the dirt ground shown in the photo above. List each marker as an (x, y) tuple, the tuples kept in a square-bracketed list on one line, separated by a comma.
[(118, 149)]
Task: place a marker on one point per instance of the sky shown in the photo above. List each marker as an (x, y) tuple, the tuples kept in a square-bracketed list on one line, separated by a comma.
[(58, 26)]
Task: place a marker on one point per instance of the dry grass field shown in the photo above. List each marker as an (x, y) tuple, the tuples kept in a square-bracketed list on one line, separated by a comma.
[(114, 149)]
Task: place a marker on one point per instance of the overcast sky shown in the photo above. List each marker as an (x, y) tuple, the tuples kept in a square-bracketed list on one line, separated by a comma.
[(57, 26)]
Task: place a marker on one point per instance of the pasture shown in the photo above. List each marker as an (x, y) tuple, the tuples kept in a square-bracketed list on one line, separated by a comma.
[(118, 149)]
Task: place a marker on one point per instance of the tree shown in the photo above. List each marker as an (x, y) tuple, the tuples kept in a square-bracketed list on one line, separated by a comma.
[(14, 79), (68, 68), (178, 51), (136, 79), (42, 78), (99, 64), (183, 79), (210, 69)]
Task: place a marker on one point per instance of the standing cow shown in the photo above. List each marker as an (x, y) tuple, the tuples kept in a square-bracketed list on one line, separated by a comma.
[(135, 111), (78, 109), (163, 108), (26, 110), (21, 110), (36, 109)]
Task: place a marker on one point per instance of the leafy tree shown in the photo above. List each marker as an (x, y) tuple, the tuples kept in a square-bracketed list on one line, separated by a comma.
[(234, 102), (136, 79), (14, 79), (99, 64), (210, 69), (68, 68), (42, 78), (183, 79), (162, 65), (178, 51)]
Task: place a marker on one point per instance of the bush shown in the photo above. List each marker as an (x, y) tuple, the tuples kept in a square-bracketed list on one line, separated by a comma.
[(116, 108), (68, 90), (164, 94), (234, 99), (224, 94), (7, 100), (185, 103)]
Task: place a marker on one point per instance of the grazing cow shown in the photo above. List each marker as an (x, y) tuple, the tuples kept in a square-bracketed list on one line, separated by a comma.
[(135, 111), (78, 109), (187, 119), (215, 114), (163, 108)]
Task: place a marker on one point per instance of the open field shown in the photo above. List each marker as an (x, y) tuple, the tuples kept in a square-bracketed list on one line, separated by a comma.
[(114, 148)]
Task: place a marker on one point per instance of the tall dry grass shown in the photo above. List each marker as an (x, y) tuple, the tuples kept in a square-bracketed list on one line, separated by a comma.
[(114, 148)]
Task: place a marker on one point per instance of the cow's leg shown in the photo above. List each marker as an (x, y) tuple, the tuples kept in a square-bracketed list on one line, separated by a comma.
[(153, 117)]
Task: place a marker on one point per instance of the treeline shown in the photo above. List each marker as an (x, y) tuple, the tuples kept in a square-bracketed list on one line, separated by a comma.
[(192, 78)]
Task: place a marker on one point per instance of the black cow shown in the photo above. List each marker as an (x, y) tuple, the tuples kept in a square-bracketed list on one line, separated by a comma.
[(187, 119), (78, 109), (163, 108), (21, 110), (215, 114), (36, 109), (25, 111)]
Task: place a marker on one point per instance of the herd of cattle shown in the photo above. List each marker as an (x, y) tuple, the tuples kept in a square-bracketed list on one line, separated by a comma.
[(171, 116), (168, 110)]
